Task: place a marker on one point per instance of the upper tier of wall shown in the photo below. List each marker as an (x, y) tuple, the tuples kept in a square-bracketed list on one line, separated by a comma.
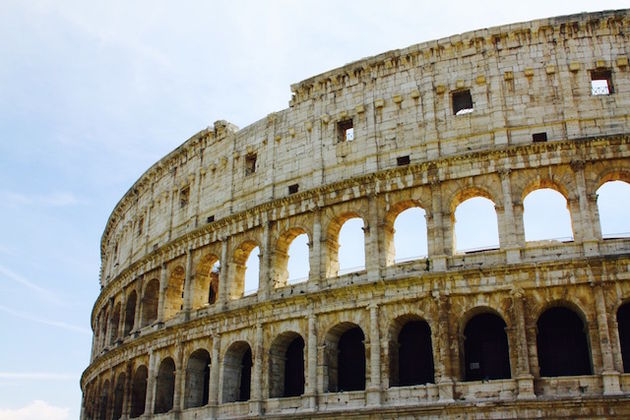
[(523, 78)]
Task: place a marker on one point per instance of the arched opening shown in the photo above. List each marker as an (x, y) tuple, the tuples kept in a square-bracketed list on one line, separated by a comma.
[(623, 324), (206, 284), (237, 372), (345, 352), (408, 236), (286, 366), (351, 246), (174, 295), (130, 312), (546, 216), (150, 302), (138, 392), (165, 386), (298, 265), (119, 393), (613, 201), (562, 344), (411, 353), (115, 321), (197, 379), (245, 267), (103, 401), (476, 227), (486, 350)]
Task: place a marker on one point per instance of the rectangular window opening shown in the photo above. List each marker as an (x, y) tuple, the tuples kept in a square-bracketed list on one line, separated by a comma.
[(293, 188), (250, 164), (601, 82), (345, 131), (184, 195), (403, 160), (462, 102), (210, 219), (539, 137)]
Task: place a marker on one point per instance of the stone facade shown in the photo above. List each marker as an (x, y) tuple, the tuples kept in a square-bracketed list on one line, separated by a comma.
[(495, 113)]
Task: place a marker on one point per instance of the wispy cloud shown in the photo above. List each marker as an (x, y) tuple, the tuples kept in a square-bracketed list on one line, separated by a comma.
[(45, 293), (39, 376), (52, 323), (36, 410), (53, 199)]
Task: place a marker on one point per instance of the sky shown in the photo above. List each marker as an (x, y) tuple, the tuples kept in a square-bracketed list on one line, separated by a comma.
[(93, 93)]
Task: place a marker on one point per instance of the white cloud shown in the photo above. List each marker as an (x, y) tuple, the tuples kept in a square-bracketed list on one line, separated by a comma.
[(47, 294), (58, 324), (36, 410), (39, 376)]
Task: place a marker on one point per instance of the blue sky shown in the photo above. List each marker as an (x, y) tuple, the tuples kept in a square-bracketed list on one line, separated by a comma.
[(92, 93)]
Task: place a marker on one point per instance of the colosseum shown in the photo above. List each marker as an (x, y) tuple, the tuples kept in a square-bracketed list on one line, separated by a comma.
[(524, 328)]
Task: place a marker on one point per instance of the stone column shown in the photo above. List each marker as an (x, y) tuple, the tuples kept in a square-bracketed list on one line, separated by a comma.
[(372, 251), (610, 376), (508, 225), (213, 387), (438, 251), (188, 280), (127, 390), (138, 310), (444, 369), (264, 274), (162, 298), (311, 363), (373, 395), (523, 374), (151, 377), (255, 403), (178, 391), (223, 297), (121, 318), (315, 256), (587, 226)]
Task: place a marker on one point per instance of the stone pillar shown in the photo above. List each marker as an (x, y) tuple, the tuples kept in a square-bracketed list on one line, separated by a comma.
[(437, 248), (311, 363), (178, 391), (162, 298), (587, 226), (610, 376), (315, 257), (188, 289), (151, 377), (213, 387), (373, 395), (138, 310), (524, 377), (255, 403), (127, 390), (443, 367), (264, 274), (532, 346), (322, 371), (223, 297), (372, 251), (121, 318), (507, 224)]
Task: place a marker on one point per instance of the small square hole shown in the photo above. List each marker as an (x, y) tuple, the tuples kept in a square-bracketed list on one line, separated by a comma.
[(250, 164), (293, 188), (539, 137), (210, 219), (403, 160), (345, 131), (462, 102), (601, 82), (184, 195)]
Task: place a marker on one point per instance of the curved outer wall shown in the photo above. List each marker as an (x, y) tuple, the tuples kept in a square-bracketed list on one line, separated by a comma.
[(201, 204)]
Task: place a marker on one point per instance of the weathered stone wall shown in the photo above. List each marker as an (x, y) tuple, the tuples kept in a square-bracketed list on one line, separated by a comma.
[(202, 203)]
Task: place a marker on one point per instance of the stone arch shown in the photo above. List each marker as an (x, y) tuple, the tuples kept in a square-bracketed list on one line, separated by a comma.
[(239, 266), (623, 328), (138, 392), (390, 232), (150, 302), (174, 294), (532, 197), (205, 288), (345, 358), (332, 240), (286, 365), (281, 255), (114, 323), (130, 312), (410, 351), (237, 372), (488, 238), (165, 386), (563, 341), (613, 196), (539, 183), (197, 379), (485, 343), (119, 396)]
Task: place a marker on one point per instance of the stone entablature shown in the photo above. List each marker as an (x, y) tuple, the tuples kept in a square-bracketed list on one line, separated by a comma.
[(534, 124)]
